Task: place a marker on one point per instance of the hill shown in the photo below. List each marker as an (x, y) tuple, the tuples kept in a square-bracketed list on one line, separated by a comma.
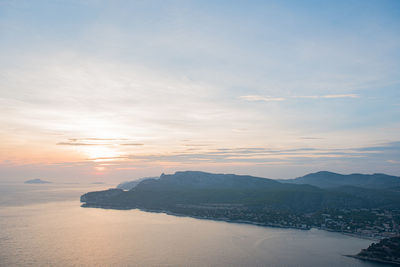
[(128, 185), (324, 179), (183, 188), (241, 198), (201, 187), (386, 251)]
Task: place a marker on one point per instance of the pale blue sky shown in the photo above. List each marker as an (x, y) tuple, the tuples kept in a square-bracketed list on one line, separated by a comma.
[(283, 87)]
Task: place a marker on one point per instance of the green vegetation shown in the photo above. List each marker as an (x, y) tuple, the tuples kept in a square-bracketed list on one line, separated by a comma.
[(386, 251), (349, 209), (326, 179)]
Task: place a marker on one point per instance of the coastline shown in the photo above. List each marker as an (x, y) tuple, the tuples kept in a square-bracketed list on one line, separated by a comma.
[(373, 260), (351, 234), (228, 220), (198, 217)]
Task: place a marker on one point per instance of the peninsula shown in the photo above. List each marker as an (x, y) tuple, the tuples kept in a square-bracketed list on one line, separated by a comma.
[(361, 211), (386, 251)]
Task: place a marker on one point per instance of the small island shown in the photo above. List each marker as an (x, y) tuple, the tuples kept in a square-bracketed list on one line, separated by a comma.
[(386, 251), (37, 181)]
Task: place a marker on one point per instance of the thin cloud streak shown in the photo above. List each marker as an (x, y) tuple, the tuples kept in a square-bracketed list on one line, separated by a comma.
[(97, 139), (79, 144), (329, 96), (272, 99), (257, 154), (132, 144), (262, 98), (231, 158), (94, 142)]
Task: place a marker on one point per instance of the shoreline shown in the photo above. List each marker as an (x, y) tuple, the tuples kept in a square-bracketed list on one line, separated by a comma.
[(373, 260), (195, 217), (230, 221), (351, 234)]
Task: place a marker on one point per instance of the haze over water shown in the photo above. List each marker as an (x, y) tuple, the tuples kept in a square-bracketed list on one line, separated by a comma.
[(50, 228)]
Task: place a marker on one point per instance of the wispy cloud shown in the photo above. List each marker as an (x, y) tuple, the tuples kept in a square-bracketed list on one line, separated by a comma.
[(261, 98), (219, 159), (100, 159), (97, 139), (261, 154), (93, 141), (132, 144), (329, 96), (196, 145), (271, 99), (79, 144)]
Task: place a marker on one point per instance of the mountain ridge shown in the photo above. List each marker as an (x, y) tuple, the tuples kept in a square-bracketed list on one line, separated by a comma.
[(203, 187), (326, 179), (321, 179), (260, 201)]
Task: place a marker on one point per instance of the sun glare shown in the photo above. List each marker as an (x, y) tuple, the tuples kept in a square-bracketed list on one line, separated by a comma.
[(100, 152)]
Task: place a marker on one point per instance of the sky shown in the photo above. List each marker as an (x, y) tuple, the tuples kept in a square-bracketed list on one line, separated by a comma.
[(111, 91)]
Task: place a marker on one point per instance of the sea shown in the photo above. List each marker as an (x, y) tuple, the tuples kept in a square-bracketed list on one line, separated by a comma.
[(45, 225)]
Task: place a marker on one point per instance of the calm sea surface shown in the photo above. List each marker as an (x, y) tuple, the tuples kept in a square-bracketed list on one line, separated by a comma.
[(44, 225)]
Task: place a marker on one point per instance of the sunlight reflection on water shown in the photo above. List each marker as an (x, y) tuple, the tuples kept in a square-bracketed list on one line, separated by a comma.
[(58, 232)]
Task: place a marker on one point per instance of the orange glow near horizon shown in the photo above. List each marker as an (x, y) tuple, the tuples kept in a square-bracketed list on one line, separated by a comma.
[(96, 152)]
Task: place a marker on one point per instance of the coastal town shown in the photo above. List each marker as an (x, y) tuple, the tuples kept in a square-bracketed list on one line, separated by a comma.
[(367, 223), (371, 223)]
